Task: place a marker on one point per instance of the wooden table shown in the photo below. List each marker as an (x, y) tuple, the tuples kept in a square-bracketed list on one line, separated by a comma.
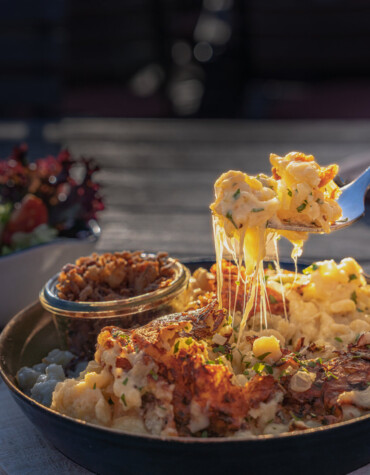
[(158, 182)]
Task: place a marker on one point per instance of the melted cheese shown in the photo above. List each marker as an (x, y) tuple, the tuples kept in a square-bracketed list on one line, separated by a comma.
[(299, 192)]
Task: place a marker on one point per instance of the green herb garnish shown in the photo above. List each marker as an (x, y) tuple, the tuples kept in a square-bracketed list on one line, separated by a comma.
[(229, 216), (352, 277), (272, 299), (229, 357), (329, 375), (154, 375), (189, 341), (310, 269), (319, 201), (290, 192), (94, 387), (302, 207), (262, 357), (338, 339), (354, 297), (257, 210), (259, 367), (296, 418), (269, 369), (176, 347), (219, 349), (123, 398), (236, 194), (204, 434), (125, 382)]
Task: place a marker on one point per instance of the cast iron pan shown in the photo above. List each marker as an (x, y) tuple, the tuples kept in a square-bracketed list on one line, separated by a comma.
[(336, 449)]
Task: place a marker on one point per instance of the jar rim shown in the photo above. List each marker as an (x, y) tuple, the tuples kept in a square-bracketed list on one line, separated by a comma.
[(54, 304)]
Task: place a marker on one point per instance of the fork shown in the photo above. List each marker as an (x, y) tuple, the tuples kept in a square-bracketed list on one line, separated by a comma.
[(351, 201)]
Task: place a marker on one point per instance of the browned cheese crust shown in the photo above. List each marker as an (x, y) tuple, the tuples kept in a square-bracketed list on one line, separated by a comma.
[(116, 276), (195, 379)]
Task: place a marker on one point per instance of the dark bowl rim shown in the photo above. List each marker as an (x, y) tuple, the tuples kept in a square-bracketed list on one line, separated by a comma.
[(165, 439), (159, 439)]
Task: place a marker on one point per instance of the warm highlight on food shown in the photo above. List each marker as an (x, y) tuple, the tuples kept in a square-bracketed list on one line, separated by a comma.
[(115, 276), (257, 349), (247, 208), (185, 375)]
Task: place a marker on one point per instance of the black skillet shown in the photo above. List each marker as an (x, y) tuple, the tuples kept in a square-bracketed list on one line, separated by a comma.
[(337, 449)]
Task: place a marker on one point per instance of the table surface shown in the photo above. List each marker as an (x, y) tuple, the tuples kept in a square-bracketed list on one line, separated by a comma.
[(157, 179)]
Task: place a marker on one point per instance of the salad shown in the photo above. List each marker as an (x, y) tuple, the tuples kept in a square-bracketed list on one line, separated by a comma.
[(45, 198)]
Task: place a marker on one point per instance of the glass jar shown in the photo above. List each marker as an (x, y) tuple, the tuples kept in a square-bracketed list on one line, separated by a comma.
[(79, 323)]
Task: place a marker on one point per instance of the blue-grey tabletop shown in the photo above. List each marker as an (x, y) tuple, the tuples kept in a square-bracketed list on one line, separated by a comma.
[(157, 179)]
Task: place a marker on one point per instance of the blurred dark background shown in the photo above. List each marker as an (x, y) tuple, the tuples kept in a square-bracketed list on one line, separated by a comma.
[(185, 58)]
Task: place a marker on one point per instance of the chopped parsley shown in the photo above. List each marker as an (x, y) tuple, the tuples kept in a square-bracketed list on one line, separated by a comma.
[(257, 210), (236, 194), (125, 382), (219, 349), (354, 297), (330, 375), (294, 416), (229, 216), (302, 206), (272, 299), (270, 266), (352, 277), (262, 357), (94, 387), (229, 357), (189, 341), (338, 339), (310, 269), (319, 201), (210, 362), (176, 347), (290, 192), (259, 367), (154, 375), (123, 398), (204, 434), (269, 369), (237, 282)]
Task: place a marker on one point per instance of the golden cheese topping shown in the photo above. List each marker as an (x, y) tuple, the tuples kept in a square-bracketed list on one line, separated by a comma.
[(305, 190), (298, 192)]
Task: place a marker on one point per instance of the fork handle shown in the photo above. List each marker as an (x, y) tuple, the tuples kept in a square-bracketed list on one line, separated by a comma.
[(362, 182)]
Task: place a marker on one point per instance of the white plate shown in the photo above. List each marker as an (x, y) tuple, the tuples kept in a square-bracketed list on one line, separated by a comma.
[(23, 273)]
